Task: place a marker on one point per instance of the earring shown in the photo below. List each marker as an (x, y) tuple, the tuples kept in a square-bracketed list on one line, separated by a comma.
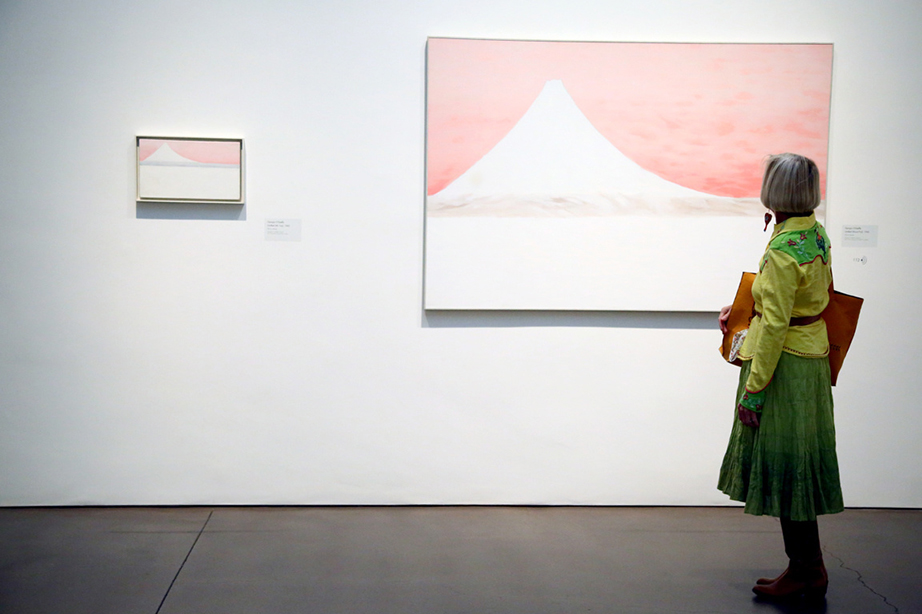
[(768, 219)]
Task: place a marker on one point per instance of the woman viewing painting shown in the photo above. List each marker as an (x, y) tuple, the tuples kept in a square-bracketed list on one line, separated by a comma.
[(781, 458)]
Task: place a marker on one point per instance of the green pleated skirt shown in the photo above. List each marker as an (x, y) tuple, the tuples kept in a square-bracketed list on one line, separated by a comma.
[(787, 467)]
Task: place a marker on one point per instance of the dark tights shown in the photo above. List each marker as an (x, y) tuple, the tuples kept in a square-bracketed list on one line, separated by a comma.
[(801, 540)]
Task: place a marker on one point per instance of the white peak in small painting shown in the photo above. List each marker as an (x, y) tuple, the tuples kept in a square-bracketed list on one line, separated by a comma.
[(165, 153)]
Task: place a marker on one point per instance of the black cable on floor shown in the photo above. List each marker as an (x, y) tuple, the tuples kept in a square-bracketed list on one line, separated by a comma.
[(179, 571)]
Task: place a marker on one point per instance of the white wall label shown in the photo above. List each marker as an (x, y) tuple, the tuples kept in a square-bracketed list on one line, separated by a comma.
[(283, 230), (859, 236)]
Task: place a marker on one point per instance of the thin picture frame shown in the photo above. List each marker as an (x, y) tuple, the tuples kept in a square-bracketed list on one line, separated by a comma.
[(190, 170)]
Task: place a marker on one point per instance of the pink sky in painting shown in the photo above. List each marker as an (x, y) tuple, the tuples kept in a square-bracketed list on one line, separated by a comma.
[(212, 152), (700, 115)]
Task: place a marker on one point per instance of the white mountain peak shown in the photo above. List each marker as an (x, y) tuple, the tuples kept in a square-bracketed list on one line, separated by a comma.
[(555, 151), (165, 153)]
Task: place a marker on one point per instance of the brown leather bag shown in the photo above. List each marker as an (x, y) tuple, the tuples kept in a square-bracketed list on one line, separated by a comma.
[(841, 316)]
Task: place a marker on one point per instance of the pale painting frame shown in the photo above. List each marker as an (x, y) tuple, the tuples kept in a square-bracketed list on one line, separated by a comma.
[(193, 170)]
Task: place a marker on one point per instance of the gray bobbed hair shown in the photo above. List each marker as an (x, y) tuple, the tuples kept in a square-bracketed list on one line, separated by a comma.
[(791, 184)]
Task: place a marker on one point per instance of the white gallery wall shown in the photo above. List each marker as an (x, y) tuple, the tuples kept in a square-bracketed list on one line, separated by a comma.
[(172, 355)]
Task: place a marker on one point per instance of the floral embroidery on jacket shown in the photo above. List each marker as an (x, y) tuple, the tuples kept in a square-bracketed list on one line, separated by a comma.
[(799, 246)]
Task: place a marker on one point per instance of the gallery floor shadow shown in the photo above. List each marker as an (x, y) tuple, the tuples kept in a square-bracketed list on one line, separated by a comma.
[(453, 318), (190, 211)]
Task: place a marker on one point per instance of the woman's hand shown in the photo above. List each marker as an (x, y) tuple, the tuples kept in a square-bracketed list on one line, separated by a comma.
[(748, 417), (723, 317)]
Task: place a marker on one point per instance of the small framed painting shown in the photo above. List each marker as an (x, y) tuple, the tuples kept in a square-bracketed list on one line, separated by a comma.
[(190, 170)]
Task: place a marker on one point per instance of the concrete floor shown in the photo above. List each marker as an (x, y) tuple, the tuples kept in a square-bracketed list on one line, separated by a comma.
[(439, 560)]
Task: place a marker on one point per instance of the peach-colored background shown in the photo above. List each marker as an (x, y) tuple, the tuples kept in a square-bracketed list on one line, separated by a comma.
[(212, 152), (701, 115)]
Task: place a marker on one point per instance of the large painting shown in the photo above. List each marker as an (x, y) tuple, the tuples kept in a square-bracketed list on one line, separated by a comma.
[(608, 176)]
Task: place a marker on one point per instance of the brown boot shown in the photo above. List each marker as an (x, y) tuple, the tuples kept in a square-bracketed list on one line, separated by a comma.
[(807, 578), (764, 581)]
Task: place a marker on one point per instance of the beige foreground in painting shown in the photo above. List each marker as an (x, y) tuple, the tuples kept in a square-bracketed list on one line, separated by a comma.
[(189, 183), (630, 263)]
